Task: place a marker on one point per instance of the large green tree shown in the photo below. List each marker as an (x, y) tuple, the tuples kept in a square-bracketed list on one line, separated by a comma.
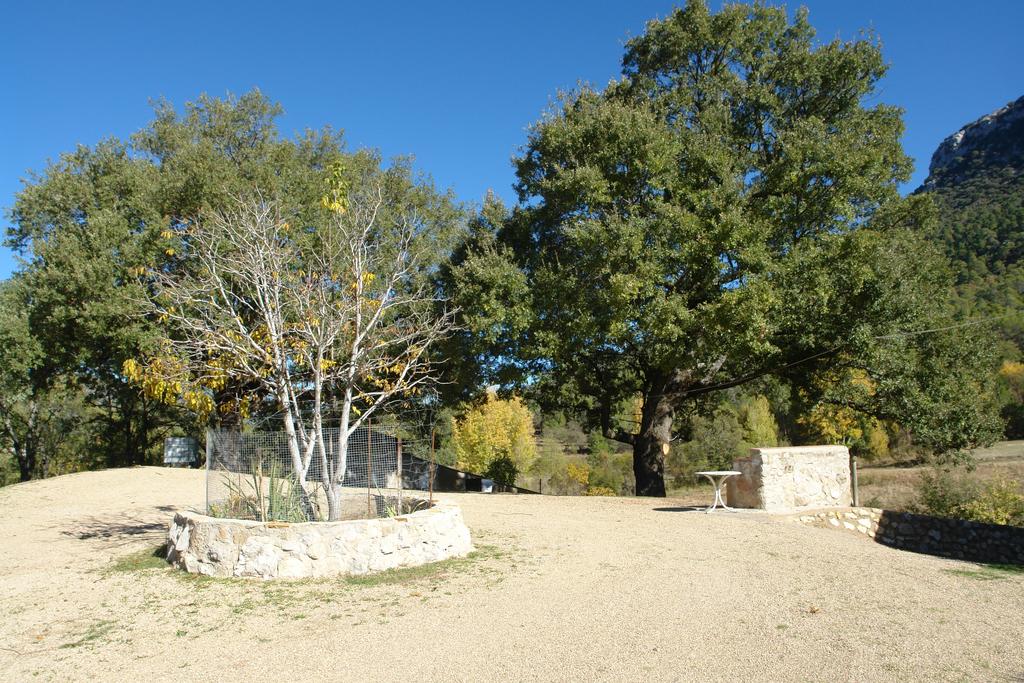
[(727, 210), (37, 409), (96, 218)]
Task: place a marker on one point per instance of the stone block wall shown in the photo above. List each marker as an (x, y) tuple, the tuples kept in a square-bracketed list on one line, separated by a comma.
[(955, 538), (792, 477), (861, 520), (232, 547)]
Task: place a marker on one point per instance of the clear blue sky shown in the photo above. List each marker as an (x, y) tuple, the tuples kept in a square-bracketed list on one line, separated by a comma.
[(454, 84)]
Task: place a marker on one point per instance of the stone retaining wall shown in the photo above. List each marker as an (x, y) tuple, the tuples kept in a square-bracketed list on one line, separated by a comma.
[(792, 477), (233, 547), (955, 538), (862, 520)]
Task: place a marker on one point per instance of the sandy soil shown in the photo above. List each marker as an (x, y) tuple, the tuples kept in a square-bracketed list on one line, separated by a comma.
[(562, 589)]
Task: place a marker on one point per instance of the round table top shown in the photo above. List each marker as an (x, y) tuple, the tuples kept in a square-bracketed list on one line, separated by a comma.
[(721, 473)]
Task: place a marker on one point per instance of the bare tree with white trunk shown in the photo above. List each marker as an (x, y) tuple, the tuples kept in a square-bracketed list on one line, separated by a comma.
[(315, 316)]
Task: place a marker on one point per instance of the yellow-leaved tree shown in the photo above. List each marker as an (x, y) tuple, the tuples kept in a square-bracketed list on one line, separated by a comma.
[(1012, 374), (839, 424), (494, 429)]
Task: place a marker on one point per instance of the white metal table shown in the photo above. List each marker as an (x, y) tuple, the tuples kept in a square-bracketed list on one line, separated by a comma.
[(718, 478)]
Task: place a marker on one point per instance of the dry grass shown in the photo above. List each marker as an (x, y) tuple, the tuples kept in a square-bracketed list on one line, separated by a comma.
[(895, 487)]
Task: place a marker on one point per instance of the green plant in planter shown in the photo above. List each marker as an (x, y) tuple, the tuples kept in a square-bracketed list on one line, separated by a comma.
[(266, 496)]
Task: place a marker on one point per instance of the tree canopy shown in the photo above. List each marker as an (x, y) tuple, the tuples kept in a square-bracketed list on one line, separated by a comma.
[(726, 210), (96, 218)]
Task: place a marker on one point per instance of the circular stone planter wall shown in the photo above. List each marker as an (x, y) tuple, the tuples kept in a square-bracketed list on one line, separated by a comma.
[(276, 550)]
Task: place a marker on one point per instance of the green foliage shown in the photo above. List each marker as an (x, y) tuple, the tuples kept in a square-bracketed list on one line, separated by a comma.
[(1011, 386), (95, 216), (39, 407), (989, 572), (729, 209), (90, 222), (502, 470), (567, 475), (568, 432), (944, 494), (715, 441), (482, 280), (718, 439), (142, 560), (600, 491), (8, 469), (980, 196), (610, 471), (264, 495), (875, 442), (758, 420), (571, 461), (980, 201), (1000, 502)]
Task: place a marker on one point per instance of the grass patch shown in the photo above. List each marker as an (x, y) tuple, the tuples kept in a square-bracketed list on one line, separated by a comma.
[(93, 633), (246, 605), (422, 572), (989, 572), (142, 560), (292, 599)]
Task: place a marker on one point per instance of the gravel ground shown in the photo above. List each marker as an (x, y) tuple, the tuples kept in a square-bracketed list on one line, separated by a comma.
[(560, 589)]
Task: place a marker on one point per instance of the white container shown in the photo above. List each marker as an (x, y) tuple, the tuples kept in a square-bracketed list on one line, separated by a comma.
[(486, 485)]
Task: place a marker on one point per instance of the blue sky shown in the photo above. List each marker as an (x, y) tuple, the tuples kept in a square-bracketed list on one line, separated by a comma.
[(455, 84)]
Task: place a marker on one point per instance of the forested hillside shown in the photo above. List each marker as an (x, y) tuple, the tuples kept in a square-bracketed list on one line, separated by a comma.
[(976, 177)]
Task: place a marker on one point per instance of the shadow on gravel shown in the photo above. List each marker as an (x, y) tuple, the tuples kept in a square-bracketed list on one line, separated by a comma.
[(685, 508), (114, 528), (958, 539)]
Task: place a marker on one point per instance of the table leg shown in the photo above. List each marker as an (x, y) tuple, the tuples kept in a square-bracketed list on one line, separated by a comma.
[(718, 483)]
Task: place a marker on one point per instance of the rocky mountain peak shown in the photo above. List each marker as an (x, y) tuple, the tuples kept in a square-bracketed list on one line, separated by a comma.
[(994, 139)]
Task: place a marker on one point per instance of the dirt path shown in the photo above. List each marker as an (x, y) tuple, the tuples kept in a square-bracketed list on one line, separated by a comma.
[(562, 589)]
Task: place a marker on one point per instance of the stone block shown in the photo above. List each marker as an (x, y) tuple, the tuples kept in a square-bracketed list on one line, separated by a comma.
[(788, 478)]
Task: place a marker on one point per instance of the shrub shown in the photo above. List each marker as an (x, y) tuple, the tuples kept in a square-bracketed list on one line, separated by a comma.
[(609, 471), (1000, 502), (599, 491), (945, 495), (503, 471), (941, 494)]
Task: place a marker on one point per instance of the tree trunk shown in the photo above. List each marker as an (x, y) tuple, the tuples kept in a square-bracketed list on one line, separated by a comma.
[(23, 445), (26, 462), (299, 470), (651, 445), (334, 503)]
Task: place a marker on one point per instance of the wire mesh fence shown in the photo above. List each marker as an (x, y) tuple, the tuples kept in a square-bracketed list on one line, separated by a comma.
[(271, 476)]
